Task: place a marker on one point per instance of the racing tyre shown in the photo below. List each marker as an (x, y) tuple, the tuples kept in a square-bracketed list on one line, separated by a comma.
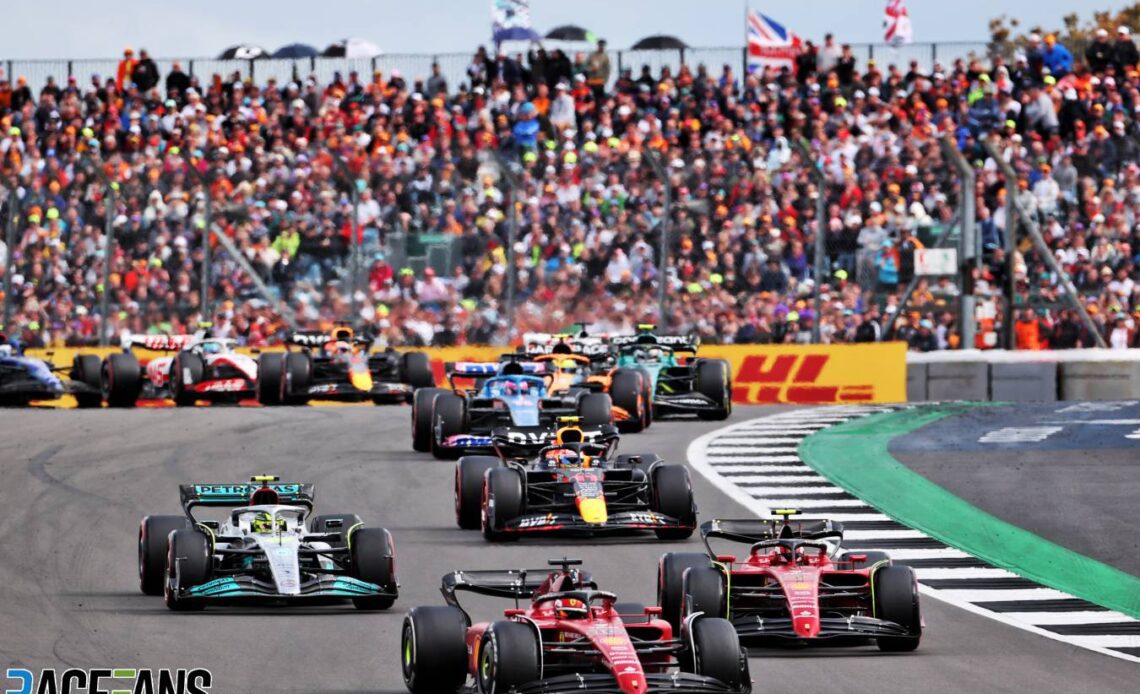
[(122, 379), (421, 418), (672, 496), (342, 523), (626, 391), (714, 381), (298, 378), (703, 590), (595, 410), (647, 396), (449, 417), (85, 370), (502, 502), (716, 653), (373, 556), (631, 612), (188, 564), (670, 577), (869, 560), (271, 378), (433, 649), (511, 655), (154, 531), (896, 600), (415, 370), (469, 474), (186, 372)]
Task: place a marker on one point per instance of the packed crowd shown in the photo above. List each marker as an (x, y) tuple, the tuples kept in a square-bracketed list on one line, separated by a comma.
[(277, 162)]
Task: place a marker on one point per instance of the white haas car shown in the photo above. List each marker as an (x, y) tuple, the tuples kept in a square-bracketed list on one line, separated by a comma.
[(189, 368)]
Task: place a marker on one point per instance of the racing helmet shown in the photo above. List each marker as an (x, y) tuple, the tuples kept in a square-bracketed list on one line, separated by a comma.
[(516, 388), (654, 353), (572, 459), (6, 350), (568, 365), (342, 347), (570, 608), (211, 347), (263, 523)]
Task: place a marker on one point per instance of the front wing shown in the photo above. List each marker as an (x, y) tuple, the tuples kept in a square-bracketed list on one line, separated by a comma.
[(756, 628), (572, 523), (681, 403), (247, 588), (656, 683), (396, 392)]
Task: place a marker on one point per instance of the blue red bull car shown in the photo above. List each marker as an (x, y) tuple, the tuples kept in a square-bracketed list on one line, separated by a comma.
[(513, 395)]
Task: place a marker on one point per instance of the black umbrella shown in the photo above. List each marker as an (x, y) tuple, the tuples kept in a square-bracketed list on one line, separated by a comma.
[(243, 52), (571, 32), (658, 42), (296, 50)]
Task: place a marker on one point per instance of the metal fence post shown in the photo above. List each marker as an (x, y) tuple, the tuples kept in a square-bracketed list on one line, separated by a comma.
[(666, 224), (207, 212), (820, 265), (10, 247), (108, 256), (354, 243), (508, 177), (190, 67), (967, 242), (1010, 288)]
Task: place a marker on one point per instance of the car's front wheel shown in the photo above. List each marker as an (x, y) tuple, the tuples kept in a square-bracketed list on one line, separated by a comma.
[(433, 649), (373, 556)]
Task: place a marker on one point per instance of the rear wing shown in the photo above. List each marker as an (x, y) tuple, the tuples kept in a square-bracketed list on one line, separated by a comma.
[(678, 343), (479, 369), (512, 584), (753, 530), (229, 495), (159, 343), (543, 343), (510, 442), (310, 338)]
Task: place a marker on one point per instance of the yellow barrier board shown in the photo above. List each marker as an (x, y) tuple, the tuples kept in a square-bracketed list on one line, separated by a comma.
[(761, 374)]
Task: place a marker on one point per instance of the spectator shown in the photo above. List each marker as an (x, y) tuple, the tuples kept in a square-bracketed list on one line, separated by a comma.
[(1124, 51), (177, 83), (1100, 54), (126, 69), (598, 70), (1057, 59), (145, 73)]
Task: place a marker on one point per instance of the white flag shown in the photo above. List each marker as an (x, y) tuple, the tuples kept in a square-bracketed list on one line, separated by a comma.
[(896, 24), (510, 21)]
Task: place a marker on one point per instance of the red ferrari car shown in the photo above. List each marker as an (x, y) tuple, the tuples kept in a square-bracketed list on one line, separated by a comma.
[(571, 637), (793, 585)]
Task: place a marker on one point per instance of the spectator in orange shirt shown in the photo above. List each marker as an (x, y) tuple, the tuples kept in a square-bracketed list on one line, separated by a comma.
[(126, 69), (1028, 331)]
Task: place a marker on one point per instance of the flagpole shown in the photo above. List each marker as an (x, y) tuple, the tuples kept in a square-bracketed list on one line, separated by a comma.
[(744, 67)]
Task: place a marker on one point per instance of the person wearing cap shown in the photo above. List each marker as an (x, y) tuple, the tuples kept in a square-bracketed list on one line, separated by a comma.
[(145, 73), (1100, 53), (1124, 53), (1058, 60), (123, 74), (177, 82), (598, 71)]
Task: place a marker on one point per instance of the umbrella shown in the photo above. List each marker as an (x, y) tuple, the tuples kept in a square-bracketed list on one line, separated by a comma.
[(243, 52), (352, 48), (296, 50), (571, 32), (658, 42)]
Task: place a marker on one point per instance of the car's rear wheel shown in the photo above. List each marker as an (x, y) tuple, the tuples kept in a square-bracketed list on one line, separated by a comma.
[(270, 378), (415, 369), (188, 564), (422, 401), (154, 532), (670, 577), (85, 370), (449, 416), (502, 501), (626, 391), (896, 600), (122, 379), (714, 381), (373, 556), (433, 649), (185, 372), (595, 410), (672, 495), (342, 523), (298, 377), (717, 654), (510, 655), (647, 393), (469, 477), (703, 591)]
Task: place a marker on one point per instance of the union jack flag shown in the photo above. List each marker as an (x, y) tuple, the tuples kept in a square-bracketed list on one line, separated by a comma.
[(770, 44), (896, 24)]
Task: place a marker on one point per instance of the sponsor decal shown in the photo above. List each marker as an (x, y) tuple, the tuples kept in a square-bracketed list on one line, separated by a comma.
[(110, 681), (537, 521), (226, 385)]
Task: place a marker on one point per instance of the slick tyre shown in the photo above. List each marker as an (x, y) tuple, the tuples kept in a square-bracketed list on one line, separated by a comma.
[(702, 588), (298, 378), (415, 370), (502, 501), (188, 564), (422, 401), (469, 477), (672, 495), (373, 555), (154, 531), (627, 392), (509, 656), (595, 410), (714, 381), (122, 380), (449, 418), (343, 523), (670, 577), (85, 370), (185, 372), (716, 653), (434, 650), (896, 600), (271, 378)]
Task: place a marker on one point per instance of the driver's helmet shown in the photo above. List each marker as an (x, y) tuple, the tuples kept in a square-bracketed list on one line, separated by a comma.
[(516, 388), (569, 366), (572, 459), (211, 347), (654, 353), (341, 347), (6, 350), (263, 523), (570, 608)]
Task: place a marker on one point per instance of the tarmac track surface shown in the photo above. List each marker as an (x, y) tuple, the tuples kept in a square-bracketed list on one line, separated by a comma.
[(74, 485)]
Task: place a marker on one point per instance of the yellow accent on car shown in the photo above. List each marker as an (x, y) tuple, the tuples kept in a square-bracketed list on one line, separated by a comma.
[(593, 510)]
